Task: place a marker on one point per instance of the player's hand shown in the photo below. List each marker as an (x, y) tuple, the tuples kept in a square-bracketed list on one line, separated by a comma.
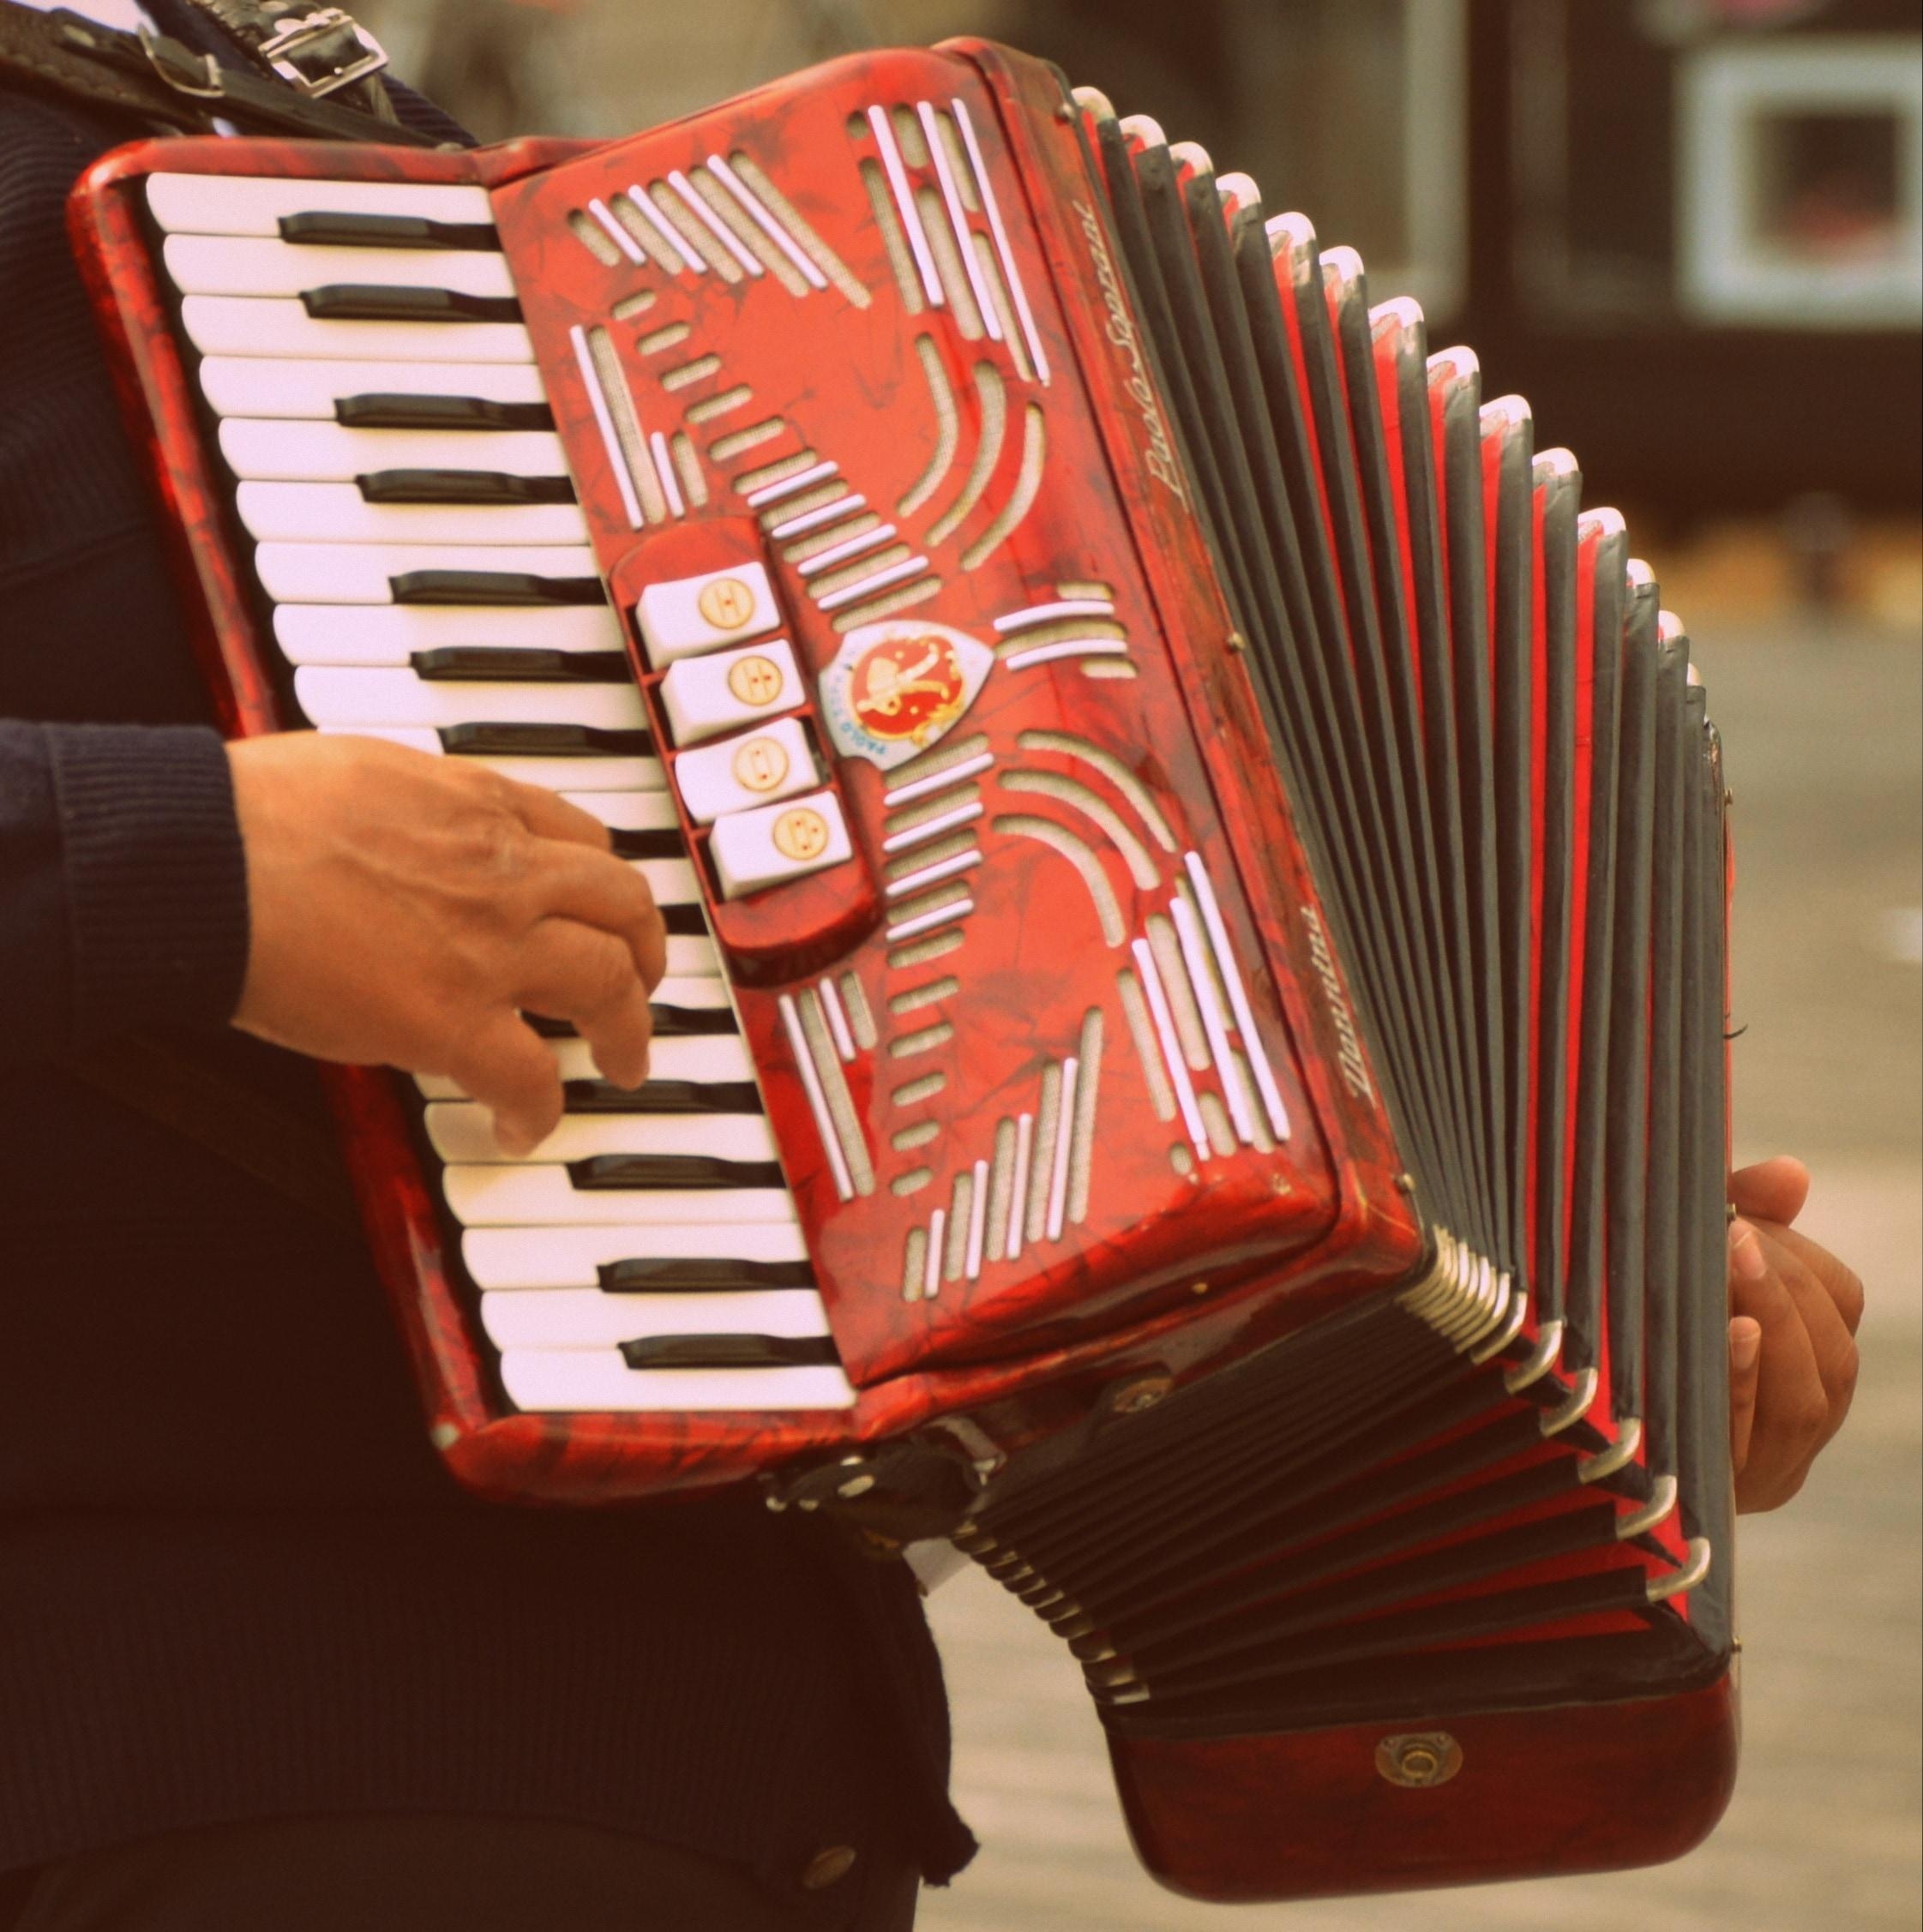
[(1794, 1310), (407, 908)]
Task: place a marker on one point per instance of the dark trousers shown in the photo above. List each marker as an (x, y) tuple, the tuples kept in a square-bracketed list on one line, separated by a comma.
[(431, 1874)]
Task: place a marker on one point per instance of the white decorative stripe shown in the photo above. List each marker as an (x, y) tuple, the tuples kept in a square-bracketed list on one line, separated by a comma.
[(1238, 996), (904, 204), (927, 921), (958, 220), (817, 1101), (850, 547), (938, 1232), (931, 828), (617, 234), (1048, 613), (978, 1220), (677, 241), (853, 593), (604, 422), (1068, 647), (812, 520), (664, 468), (1171, 1049), (1057, 1178), (937, 781), (1018, 1193), (712, 222), (750, 205), (790, 486), (933, 875), (836, 1017), (1213, 1021), (1010, 272)]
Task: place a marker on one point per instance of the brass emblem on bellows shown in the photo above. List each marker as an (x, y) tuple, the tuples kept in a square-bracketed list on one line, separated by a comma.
[(1418, 1759), (727, 603)]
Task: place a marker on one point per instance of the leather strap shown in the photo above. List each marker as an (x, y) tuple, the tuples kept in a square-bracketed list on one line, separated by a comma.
[(232, 1122), (168, 87), (322, 52)]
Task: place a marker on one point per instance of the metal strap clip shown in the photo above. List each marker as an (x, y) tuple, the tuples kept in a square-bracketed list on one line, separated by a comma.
[(322, 52), (177, 66)]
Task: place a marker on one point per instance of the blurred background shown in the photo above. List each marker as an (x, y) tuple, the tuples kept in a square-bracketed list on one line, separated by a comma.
[(1690, 231)]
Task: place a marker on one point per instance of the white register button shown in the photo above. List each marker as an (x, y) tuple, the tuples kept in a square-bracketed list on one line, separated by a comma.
[(777, 843), (731, 688), (692, 613), (740, 773)]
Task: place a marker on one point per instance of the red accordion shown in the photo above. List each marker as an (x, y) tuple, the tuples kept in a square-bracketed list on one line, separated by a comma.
[(1192, 1055)]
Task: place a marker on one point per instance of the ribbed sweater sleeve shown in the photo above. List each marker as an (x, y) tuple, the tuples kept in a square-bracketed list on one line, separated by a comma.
[(122, 884)]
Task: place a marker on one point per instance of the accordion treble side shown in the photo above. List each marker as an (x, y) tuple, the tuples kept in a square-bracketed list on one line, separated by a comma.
[(1191, 1060)]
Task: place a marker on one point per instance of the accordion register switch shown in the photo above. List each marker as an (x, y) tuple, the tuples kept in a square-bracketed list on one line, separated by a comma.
[(1192, 1062)]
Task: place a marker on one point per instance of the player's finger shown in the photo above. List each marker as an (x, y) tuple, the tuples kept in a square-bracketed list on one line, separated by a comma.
[(588, 978), (1772, 1190), (1745, 1363), (595, 890), (1840, 1283), (548, 815), (1832, 1346), (507, 1067)]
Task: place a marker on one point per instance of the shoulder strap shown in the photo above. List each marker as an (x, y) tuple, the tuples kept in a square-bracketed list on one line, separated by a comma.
[(322, 52), (166, 85)]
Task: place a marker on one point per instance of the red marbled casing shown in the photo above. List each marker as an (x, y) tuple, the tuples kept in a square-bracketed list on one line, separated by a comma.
[(1040, 468)]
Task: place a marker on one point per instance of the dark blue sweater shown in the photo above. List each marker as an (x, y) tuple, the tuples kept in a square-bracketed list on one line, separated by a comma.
[(234, 1581)]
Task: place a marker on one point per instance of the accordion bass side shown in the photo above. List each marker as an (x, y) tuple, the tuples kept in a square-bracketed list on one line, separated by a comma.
[(1192, 1061)]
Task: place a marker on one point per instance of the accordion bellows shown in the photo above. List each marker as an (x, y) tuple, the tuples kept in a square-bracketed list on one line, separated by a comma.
[(1192, 1060)]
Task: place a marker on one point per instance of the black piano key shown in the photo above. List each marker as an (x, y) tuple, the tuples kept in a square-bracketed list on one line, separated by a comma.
[(660, 844), (601, 1173), (687, 923), (378, 301), (387, 409), (542, 740), (705, 1276), (512, 664), (731, 1351), (461, 486), (671, 1023), (493, 587), (663, 1096), (323, 228)]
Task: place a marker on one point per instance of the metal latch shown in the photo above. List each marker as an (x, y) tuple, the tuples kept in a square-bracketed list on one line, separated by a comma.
[(325, 50)]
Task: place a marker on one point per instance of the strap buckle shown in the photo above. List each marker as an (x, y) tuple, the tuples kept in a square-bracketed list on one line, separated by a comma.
[(175, 64), (325, 50)]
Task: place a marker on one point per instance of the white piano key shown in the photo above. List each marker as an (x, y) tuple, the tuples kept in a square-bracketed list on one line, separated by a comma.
[(361, 572), (692, 958), (672, 881), (356, 694), (223, 204), (706, 1059), (498, 1195), (569, 1257), (273, 385), (333, 634), (686, 615), (578, 775), (337, 512), (588, 1318), (731, 688), (648, 811), (255, 265), (558, 1379), (777, 843), (463, 1131), (697, 995), (275, 450), (273, 325), (741, 773)]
